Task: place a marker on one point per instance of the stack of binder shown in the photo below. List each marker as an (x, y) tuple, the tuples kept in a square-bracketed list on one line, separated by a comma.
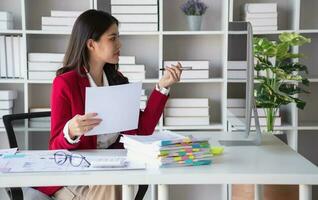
[(236, 114), (44, 122), (137, 15), (6, 20), (60, 20), (167, 149), (263, 16), (43, 66), (10, 57), (129, 68), (199, 69), (187, 112), (6, 103)]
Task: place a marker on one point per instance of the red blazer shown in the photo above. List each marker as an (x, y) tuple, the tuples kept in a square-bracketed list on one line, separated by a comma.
[(68, 100)]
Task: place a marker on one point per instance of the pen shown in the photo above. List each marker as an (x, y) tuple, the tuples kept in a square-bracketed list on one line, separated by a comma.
[(183, 68)]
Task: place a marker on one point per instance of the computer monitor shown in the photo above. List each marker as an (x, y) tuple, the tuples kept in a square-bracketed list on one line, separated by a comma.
[(245, 138)]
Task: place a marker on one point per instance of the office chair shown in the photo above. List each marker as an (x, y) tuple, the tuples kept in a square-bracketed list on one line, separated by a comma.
[(17, 193)]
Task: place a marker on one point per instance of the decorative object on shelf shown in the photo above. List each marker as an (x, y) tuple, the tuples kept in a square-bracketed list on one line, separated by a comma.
[(194, 9), (279, 74)]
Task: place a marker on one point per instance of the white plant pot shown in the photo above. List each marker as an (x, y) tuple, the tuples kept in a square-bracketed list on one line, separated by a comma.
[(194, 22)]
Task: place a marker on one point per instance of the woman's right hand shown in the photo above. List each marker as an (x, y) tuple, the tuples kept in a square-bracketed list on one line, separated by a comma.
[(81, 124)]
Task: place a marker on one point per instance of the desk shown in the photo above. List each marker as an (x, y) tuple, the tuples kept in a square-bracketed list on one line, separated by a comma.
[(271, 163)]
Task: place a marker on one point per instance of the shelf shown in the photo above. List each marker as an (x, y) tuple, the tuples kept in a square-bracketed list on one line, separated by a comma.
[(40, 81), (193, 32), (209, 127), (272, 32), (18, 128), (11, 31), (41, 32), (308, 31), (3, 80), (39, 129), (210, 80), (138, 33)]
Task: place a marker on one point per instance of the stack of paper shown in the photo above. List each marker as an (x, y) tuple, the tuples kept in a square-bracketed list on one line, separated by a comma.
[(263, 16), (43, 122), (137, 15), (236, 114), (6, 103), (6, 20), (129, 68), (167, 149), (200, 69), (60, 20), (10, 57), (187, 112), (43, 66), (143, 100)]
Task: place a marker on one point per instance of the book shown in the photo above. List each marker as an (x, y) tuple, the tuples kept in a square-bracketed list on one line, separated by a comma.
[(8, 94), (193, 74), (40, 109), (133, 2), (236, 74), (262, 21), (17, 56), (3, 57), (136, 18), (240, 112), (186, 121), (6, 16), (44, 66), (143, 98), (264, 28), (135, 75), (45, 57), (133, 9), (186, 112), (5, 112), (237, 65), (6, 25), (194, 64), (125, 27), (260, 7), (260, 15), (38, 75), (126, 60), (131, 68), (57, 28), (187, 102), (58, 21), (9, 56), (60, 13), (236, 103), (39, 124), (6, 104)]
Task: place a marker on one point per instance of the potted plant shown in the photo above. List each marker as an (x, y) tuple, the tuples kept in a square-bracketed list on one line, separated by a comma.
[(280, 76), (194, 9)]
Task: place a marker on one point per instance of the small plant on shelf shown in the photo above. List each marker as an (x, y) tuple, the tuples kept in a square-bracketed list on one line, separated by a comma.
[(280, 76), (194, 9)]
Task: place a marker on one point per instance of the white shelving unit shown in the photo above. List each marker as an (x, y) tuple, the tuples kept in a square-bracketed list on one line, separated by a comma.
[(171, 42)]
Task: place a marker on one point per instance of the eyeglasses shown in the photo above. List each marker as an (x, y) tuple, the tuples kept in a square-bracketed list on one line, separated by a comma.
[(76, 160)]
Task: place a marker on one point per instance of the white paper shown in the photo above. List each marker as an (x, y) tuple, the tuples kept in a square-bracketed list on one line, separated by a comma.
[(117, 106), (4, 152)]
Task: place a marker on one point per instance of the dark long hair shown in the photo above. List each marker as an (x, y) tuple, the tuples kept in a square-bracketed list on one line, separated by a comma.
[(91, 24)]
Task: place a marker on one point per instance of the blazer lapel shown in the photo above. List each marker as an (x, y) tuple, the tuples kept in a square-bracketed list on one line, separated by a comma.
[(83, 83)]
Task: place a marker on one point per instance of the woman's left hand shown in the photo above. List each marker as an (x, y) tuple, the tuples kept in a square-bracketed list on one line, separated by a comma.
[(171, 76)]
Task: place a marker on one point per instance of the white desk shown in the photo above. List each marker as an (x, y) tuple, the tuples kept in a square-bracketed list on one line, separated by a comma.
[(271, 163)]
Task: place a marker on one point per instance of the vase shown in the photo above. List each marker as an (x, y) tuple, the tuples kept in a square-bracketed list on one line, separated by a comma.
[(194, 22)]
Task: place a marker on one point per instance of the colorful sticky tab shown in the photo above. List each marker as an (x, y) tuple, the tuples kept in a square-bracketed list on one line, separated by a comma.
[(217, 150)]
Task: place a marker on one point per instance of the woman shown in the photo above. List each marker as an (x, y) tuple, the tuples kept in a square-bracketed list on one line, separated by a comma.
[(91, 61)]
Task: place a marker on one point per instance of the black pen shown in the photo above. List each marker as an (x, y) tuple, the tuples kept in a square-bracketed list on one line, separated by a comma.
[(182, 68)]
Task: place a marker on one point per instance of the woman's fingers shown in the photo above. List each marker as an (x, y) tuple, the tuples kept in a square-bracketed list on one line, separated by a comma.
[(92, 121), (172, 73)]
